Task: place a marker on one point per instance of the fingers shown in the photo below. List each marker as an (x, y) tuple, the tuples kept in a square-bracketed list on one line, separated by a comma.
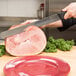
[(68, 14), (70, 11)]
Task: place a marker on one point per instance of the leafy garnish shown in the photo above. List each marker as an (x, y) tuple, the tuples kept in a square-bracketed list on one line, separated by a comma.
[(2, 50), (54, 44)]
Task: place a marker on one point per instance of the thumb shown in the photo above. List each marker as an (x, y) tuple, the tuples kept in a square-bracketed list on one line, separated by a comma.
[(65, 9)]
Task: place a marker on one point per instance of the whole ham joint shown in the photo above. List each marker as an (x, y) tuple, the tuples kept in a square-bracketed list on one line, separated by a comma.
[(30, 42)]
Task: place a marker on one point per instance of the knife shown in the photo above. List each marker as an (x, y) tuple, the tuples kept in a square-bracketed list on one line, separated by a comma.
[(39, 23)]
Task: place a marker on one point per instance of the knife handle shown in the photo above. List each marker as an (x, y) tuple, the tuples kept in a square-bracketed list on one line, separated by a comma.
[(66, 22), (62, 13)]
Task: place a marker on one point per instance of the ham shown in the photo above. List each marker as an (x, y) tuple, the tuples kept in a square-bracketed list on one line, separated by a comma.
[(37, 66), (30, 42)]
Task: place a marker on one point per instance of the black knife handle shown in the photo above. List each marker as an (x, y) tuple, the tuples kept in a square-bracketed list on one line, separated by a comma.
[(61, 14), (66, 22)]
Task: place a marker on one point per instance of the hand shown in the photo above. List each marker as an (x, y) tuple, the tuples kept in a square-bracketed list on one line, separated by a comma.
[(71, 10)]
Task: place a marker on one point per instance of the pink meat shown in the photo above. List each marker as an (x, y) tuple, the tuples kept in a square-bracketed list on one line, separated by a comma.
[(30, 42), (37, 66)]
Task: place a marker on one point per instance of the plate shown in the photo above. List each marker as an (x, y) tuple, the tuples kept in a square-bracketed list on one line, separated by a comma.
[(37, 66)]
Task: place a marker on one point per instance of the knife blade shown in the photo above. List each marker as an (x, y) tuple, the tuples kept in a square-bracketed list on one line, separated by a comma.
[(39, 23)]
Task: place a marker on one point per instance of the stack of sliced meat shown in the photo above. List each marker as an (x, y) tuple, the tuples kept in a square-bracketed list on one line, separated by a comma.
[(37, 66), (30, 42)]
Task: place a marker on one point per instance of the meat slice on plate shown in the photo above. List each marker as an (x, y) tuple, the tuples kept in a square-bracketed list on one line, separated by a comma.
[(30, 42), (37, 66)]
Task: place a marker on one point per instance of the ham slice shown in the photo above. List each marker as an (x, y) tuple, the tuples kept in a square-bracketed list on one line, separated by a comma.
[(30, 42), (37, 66)]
